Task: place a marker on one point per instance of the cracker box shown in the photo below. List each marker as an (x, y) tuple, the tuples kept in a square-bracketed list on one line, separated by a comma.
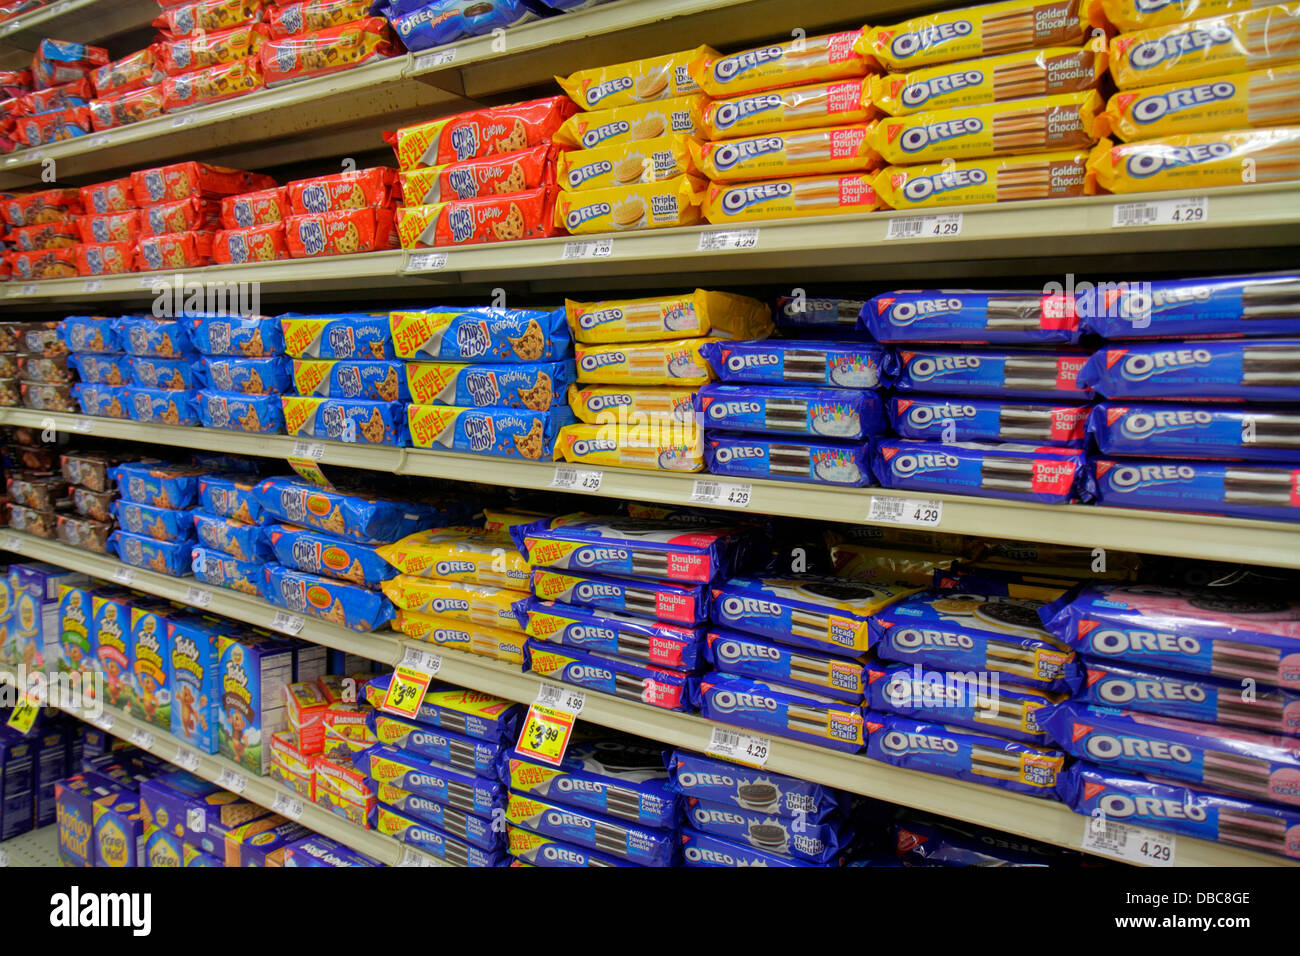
[(208, 819), (74, 807), (33, 626), (305, 708), (162, 848), (76, 629), (319, 851), (310, 661), (254, 672), (119, 831), (49, 766), (252, 843), (289, 765), (193, 856), (193, 646), (111, 613), (151, 665), (17, 782), (166, 800)]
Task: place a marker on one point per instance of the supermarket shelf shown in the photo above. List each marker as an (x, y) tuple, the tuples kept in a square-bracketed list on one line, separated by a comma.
[(801, 250), (1269, 543), (37, 848), (85, 21), (1036, 819)]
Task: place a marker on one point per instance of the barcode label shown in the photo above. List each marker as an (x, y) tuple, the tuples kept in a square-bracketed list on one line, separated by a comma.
[(426, 262), (180, 121), (711, 240), (708, 492), (124, 576), (1191, 210), (589, 249), (571, 479), (428, 61), (290, 624), (426, 662), (927, 512), (927, 227), (30, 289), (104, 722), (92, 285), (749, 749), (1124, 841), (561, 698), (234, 782), (287, 806), (186, 759), (313, 450), (416, 858), (142, 738), (197, 597), (97, 141), (11, 542)]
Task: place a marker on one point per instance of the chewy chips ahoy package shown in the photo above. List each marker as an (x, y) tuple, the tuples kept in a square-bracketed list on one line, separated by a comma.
[(359, 517), (963, 315), (250, 376), (165, 557), (781, 711), (797, 362), (163, 524), (230, 497), (1176, 429), (1230, 306), (721, 782), (157, 483), (221, 570), (154, 337), (1048, 474), (319, 553), (242, 541), (260, 414), (783, 410), (355, 335), (161, 406), (356, 608), (250, 336), (181, 374), (482, 335)]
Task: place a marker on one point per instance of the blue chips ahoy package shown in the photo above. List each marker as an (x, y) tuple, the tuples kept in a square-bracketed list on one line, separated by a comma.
[(469, 712), (656, 686), (1176, 429), (503, 432), (102, 369), (230, 496), (1002, 317), (647, 846), (1047, 474), (334, 602), (90, 333), (165, 557), (1257, 370), (184, 374), (160, 406), (816, 842), (963, 754), (1114, 795), (233, 411), (102, 401), (345, 419), (1243, 489), (318, 553), (159, 338), (798, 362), (374, 380), (721, 782), (481, 335), (960, 631), (945, 418), (535, 385), (157, 483), (816, 462), (358, 517), (248, 335), (250, 376), (731, 652), (1245, 305), (782, 410), (782, 711), (163, 524), (653, 642), (1000, 373), (348, 335), (221, 570), (663, 601), (239, 539)]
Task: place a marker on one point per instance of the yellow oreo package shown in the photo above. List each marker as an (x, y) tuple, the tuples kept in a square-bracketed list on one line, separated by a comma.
[(679, 362), (455, 601), (1234, 43), (600, 404), (831, 149), (1262, 98), (972, 32), (833, 56), (874, 565), (1014, 76), (1197, 160), (624, 124), (620, 208), (460, 555), (1003, 179), (1131, 15), (796, 196), (493, 642), (624, 164), (679, 448), (637, 81), (836, 103), (1040, 124), (720, 314)]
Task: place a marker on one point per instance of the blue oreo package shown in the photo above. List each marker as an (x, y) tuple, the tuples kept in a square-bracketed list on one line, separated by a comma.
[(1048, 474), (230, 496), (533, 849), (927, 843), (815, 462), (609, 674), (90, 333), (347, 605), (477, 757), (243, 335), (221, 570), (804, 840), (160, 406), (249, 376), (158, 338), (102, 369), (781, 711), (1245, 305), (731, 652), (645, 845), (239, 539), (345, 335), (606, 632), (703, 849), (759, 791), (345, 419), (165, 557), (613, 775), (259, 414), (1257, 370), (974, 699), (182, 374), (675, 603), (355, 516), (474, 830), (963, 754), (1113, 795), (1175, 430), (799, 362), (840, 413), (1189, 697), (162, 524), (998, 373), (318, 553), (397, 768), (818, 314), (374, 380), (156, 483), (440, 22), (433, 841), (941, 417), (987, 317), (963, 631), (449, 334), (467, 712), (535, 385), (1246, 490)]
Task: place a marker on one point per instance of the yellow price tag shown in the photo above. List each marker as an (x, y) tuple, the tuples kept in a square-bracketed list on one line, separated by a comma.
[(546, 734), (309, 469), (24, 714), (406, 690)]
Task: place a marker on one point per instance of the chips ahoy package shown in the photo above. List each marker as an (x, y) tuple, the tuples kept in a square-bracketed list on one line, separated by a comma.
[(318, 553)]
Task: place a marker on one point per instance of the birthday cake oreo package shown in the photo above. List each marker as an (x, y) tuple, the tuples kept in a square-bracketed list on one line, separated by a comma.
[(800, 362), (816, 462), (839, 413)]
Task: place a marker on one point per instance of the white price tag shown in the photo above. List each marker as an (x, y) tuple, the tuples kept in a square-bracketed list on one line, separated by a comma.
[(426, 662), (426, 262), (416, 858), (10, 27), (92, 285), (1189, 210), (232, 781), (142, 738), (571, 479), (708, 492), (427, 61), (4, 857), (561, 698), (306, 449), (197, 597), (711, 240), (11, 542), (98, 141), (196, 820), (287, 806), (124, 576), (927, 512), (148, 281), (104, 721), (30, 289), (186, 759), (588, 249), (925, 227), (1124, 841), (290, 624), (181, 121), (82, 426), (748, 749)]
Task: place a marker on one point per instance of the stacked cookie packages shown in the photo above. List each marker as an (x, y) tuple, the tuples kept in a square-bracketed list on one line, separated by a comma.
[(244, 369)]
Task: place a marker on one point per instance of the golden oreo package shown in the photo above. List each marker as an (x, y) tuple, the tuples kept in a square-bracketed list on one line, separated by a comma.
[(492, 642), (834, 56), (619, 208), (602, 404), (836, 103), (624, 164), (796, 196), (638, 81), (624, 124), (648, 363), (1035, 125), (720, 314), (1197, 160), (1013, 76), (1002, 179), (1258, 99), (455, 601), (657, 450), (831, 149), (460, 554), (1131, 15)]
